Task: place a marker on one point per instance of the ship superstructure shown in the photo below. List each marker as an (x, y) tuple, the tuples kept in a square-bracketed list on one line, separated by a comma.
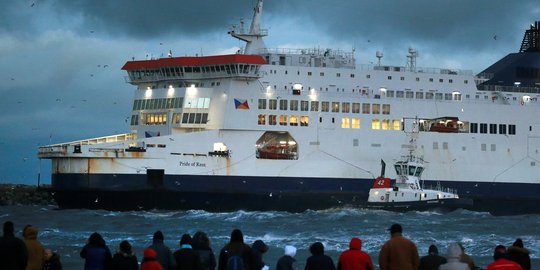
[(279, 129)]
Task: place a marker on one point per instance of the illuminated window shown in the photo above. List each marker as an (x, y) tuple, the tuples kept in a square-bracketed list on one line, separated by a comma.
[(345, 122), (272, 119), (293, 120), (304, 121), (386, 124), (355, 122), (386, 109), (282, 120), (396, 124), (335, 106), (262, 119), (376, 108), (375, 124)]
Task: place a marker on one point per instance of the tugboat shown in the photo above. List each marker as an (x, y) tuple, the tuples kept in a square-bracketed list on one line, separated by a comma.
[(407, 194)]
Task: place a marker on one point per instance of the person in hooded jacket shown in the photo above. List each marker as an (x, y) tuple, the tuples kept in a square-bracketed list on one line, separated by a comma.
[(258, 248), (454, 259), (201, 243), (52, 261), (164, 253), (501, 260), (433, 260), (13, 253), (96, 253), (519, 254), (354, 258), (186, 258), (287, 260), (149, 261), (35, 249), (235, 247), (318, 260), (124, 258)]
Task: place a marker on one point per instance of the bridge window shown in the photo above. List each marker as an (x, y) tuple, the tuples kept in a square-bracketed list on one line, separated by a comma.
[(356, 108), (314, 106)]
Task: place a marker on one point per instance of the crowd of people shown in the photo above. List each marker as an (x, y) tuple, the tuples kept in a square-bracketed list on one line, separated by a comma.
[(195, 253)]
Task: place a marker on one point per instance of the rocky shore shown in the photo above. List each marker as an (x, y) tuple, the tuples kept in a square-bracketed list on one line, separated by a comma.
[(17, 194)]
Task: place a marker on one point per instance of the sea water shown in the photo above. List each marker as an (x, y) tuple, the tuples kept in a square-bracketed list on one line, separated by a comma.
[(66, 231)]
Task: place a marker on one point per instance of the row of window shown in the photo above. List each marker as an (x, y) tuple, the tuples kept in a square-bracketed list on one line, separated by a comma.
[(179, 71), (151, 119), (368, 76), (171, 103), (346, 122), (323, 106), (493, 128)]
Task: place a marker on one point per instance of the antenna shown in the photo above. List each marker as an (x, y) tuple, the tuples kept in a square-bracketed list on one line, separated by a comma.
[(411, 59), (379, 55)]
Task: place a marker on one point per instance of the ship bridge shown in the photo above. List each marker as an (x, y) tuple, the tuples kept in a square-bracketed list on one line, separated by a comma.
[(193, 68)]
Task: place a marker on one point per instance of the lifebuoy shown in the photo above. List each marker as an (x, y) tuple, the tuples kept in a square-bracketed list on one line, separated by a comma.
[(382, 198), (522, 102)]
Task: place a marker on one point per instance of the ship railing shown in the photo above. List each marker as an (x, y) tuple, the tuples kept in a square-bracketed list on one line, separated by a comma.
[(514, 89), (425, 70), (438, 187), (308, 52), (106, 139)]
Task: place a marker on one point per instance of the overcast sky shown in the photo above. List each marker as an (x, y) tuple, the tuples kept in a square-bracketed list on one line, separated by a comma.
[(60, 60)]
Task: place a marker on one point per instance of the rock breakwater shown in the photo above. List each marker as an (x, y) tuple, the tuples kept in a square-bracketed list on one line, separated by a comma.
[(18, 194)]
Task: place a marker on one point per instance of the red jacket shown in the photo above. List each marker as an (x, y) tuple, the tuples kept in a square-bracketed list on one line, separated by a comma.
[(150, 262), (355, 258), (504, 264)]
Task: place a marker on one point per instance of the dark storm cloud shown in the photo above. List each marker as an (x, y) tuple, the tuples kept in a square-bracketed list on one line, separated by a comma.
[(469, 23)]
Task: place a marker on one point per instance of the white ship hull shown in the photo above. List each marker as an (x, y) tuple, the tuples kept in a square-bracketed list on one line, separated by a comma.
[(208, 151)]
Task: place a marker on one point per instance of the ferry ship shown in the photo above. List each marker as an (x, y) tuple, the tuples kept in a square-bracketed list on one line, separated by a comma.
[(287, 129)]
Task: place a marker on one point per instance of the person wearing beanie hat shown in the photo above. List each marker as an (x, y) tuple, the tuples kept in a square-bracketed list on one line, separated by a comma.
[(453, 259), (501, 261), (287, 260), (433, 260), (149, 261), (13, 253), (186, 258), (398, 252), (354, 258), (163, 252), (318, 260), (519, 254), (124, 258)]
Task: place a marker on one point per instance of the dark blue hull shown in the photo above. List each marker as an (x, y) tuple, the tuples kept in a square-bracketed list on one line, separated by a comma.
[(230, 193)]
